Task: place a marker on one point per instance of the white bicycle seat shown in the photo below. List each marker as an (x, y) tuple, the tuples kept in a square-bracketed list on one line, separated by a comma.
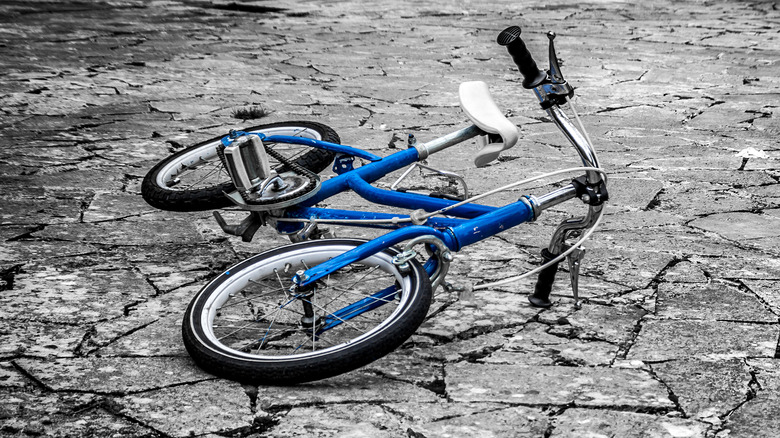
[(477, 103)]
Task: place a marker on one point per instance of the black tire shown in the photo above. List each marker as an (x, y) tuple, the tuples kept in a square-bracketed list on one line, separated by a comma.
[(207, 177), (259, 336)]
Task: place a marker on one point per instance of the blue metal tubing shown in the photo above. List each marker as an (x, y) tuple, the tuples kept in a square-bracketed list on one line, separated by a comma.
[(413, 200), (359, 307), (370, 173), (466, 233), (484, 221), (501, 219), (372, 247), (334, 214), (359, 180), (342, 149)]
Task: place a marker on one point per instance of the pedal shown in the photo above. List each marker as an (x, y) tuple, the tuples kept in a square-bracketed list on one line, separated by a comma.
[(246, 229)]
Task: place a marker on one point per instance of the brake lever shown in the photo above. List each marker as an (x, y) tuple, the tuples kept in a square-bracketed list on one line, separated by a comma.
[(554, 90), (556, 76)]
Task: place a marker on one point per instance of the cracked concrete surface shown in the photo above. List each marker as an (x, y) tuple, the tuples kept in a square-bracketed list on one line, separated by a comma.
[(679, 335)]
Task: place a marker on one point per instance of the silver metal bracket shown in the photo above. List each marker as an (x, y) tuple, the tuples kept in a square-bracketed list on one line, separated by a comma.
[(311, 231), (449, 175), (402, 259), (276, 180), (442, 253)]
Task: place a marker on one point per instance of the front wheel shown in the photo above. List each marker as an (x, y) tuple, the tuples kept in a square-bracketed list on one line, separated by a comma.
[(251, 325), (194, 179)]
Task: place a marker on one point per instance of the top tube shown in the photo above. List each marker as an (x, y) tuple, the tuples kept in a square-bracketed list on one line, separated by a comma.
[(339, 148)]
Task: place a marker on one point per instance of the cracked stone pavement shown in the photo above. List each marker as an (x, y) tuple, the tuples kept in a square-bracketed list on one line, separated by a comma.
[(679, 334)]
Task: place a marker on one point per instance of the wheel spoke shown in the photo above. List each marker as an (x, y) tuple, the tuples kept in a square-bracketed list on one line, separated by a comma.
[(265, 336), (216, 168), (359, 321), (348, 289), (263, 316), (260, 294)]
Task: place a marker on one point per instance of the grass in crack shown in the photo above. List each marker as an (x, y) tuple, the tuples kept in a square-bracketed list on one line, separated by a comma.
[(253, 112)]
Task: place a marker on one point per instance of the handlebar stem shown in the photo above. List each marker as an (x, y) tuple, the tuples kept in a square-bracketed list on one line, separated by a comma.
[(586, 152)]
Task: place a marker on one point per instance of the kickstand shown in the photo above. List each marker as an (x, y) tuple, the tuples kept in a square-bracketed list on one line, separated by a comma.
[(574, 259)]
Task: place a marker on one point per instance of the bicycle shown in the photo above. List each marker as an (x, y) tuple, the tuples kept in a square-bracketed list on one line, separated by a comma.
[(320, 307)]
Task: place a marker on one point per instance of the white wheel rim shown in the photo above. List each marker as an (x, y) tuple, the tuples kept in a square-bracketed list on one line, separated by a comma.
[(237, 281), (208, 151)]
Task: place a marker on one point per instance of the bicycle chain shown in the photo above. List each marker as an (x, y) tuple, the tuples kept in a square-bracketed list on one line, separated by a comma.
[(286, 165)]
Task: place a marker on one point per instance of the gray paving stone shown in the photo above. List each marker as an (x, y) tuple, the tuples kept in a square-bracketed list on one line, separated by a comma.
[(491, 310), (108, 206), (740, 226), (766, 292), (536, 344), (706, 390), (705, 200), (193, 409), (15, 231), (45, 210), (685, 272), (40, 339), (354, 387), (124, 233), (52, 252), (739, 263), (35, 414), (714, 301), (693, 338), (10, 377), (115, 375), (72, 296), (754, 417), (614, 324), (412, 364), (144, 338), (629, 263), (556, 385), (339, 420), (514, 421), (585, 422)]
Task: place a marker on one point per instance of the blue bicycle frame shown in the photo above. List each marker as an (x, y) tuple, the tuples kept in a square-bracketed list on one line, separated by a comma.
[(466, 222), (472, 222), (265, 321)]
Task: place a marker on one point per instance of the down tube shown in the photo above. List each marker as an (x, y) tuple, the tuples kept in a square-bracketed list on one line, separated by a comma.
[(492, 223)]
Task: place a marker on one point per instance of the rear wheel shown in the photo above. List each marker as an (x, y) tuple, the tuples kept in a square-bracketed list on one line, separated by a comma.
[(252, 325), (194, 179)]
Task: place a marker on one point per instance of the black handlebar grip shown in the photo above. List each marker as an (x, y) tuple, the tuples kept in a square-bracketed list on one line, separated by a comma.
[(541, 295), (510, 37)]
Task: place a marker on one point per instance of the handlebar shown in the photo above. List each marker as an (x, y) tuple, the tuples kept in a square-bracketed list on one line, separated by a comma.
[(510, 37), (553, 90)]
